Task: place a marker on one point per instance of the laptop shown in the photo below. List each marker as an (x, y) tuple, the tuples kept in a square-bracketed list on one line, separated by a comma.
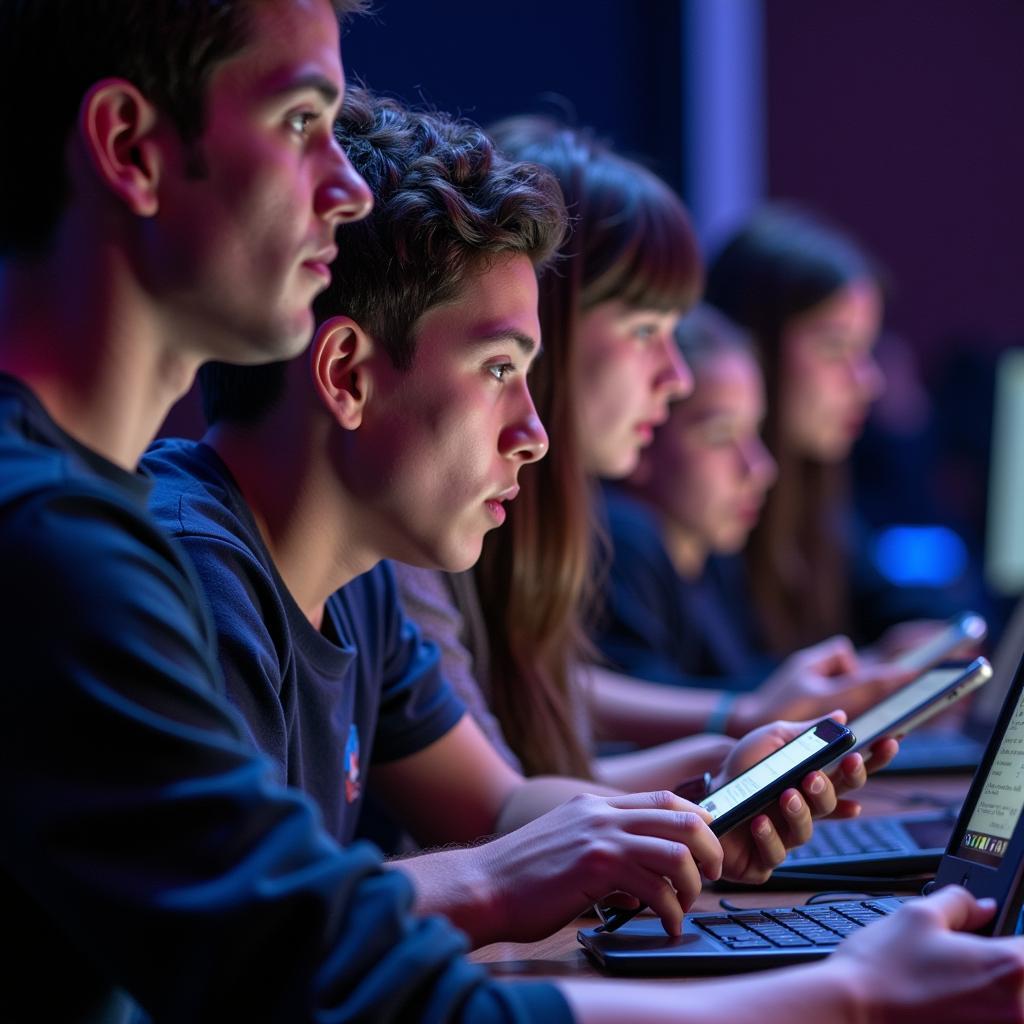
[(985, 853), (893, 845)]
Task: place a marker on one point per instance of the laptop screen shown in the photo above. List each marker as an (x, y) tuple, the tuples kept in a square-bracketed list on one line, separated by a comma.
[(1001, 800)]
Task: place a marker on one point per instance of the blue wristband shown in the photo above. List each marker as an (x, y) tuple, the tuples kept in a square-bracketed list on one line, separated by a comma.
[(719, 717)]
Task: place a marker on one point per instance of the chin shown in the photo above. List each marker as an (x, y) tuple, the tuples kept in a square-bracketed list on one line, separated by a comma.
[(836, 450), (460, 558), (621, 467), (731, 545)]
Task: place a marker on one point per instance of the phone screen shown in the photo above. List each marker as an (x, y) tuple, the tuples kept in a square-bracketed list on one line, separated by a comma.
[(918, 701), (765, 772), (882, 716)]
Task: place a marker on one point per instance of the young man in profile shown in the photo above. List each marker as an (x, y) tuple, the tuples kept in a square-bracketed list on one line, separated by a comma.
[(175, 183)]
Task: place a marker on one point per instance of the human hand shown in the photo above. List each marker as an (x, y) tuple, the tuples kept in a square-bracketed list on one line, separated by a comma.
[(920, 967), (653, 847), (753, 849), (811, 682)]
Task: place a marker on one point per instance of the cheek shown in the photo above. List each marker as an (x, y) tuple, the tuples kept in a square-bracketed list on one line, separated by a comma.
[(596, 393)]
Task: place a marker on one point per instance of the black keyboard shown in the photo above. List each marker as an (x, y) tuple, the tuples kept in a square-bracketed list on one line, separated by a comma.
[(789, 927), (853, 838)]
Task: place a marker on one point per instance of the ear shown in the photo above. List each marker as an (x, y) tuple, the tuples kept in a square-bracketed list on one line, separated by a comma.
[(116, 127), (340, 365)]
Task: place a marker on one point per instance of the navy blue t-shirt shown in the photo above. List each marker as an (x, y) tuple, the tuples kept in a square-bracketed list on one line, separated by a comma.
[(322, 704), (657, 625), (149, 861)]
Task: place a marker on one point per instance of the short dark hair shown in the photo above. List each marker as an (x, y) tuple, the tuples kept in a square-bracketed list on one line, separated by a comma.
[(54, 50), (445, 202)]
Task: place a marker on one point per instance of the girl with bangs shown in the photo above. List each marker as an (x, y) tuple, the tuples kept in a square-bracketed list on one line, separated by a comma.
[(514, 631)]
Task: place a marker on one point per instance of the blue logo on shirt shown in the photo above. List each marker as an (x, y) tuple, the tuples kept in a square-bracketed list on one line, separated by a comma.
[(353, 782)]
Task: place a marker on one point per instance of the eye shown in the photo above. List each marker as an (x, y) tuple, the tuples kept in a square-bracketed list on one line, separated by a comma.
[(499, 371), (644, 331), (300, 121)]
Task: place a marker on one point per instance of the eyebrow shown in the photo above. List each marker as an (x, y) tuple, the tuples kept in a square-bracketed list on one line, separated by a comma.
[(319, 83), (526, 343)]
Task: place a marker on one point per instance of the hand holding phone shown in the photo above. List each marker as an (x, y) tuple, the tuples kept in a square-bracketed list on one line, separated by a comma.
[(756, 789)]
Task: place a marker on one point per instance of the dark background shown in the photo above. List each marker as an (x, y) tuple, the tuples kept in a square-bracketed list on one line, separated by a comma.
[(901, 119)]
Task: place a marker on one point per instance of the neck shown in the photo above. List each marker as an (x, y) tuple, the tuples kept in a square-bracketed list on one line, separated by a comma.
[(306, 520), (687, 553), (89, 345)]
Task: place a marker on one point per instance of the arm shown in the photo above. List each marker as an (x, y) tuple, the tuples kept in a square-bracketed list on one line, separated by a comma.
[(663, 766), (808, 684), (429, 600), (646, 713), (149, 831)]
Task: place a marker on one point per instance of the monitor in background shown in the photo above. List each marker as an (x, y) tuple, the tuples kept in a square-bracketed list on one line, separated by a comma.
[(1004, 535)]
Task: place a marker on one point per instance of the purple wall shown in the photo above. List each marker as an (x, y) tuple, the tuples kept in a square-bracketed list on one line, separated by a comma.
[(904, 120)]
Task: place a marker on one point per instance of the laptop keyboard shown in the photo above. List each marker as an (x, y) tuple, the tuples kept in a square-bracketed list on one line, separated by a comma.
[(789, 927), (853, 838)]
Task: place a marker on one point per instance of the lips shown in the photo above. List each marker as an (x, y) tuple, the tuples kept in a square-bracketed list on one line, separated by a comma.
[(321, 262), (509, 494), (496, 506)]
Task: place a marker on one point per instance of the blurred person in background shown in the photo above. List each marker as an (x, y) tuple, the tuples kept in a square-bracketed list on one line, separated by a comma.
[(812, 300)]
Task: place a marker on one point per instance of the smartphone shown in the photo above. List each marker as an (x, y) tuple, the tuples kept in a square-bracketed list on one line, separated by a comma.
[(967, 626), (918, 701), (759, 787)]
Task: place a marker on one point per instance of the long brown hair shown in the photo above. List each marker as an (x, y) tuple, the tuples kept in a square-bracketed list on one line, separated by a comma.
[(631, 240), (784, 262)]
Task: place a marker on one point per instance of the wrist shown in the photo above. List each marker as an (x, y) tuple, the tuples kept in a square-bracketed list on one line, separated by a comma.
[(485, 905), (718, 720), (846, 984), (458, 885), (742, 716)]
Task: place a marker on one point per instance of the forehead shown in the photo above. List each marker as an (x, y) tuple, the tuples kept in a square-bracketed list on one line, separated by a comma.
[(496, 301), (856, 306), (727, 382), (288, 44)]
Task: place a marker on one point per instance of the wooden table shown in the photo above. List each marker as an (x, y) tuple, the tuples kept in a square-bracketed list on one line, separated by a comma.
[(560, 955)]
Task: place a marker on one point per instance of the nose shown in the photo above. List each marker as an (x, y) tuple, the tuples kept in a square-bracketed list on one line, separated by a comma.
[(343, 196), (675, 378), (760, 464), (525, 439), (870, 377)]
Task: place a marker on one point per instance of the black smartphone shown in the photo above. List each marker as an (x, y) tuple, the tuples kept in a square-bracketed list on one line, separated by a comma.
[(758, 788)]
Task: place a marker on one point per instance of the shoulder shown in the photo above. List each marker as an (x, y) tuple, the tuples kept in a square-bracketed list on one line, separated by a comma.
[(634, 532), (196, 500), (626, 515), (427, 596)]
